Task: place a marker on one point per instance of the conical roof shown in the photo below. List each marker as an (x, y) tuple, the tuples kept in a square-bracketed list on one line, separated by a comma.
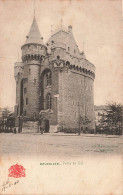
[(34, 35)]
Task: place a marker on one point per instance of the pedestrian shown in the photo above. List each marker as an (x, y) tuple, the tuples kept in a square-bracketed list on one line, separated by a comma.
[(41, 130), (79, 131), (15, 130)]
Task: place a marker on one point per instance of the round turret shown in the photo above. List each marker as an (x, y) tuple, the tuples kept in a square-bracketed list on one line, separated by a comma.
[(34, 49), (33, 52)]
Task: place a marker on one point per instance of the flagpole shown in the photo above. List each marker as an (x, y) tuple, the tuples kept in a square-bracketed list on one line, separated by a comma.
[(84, 106), (79, 118)]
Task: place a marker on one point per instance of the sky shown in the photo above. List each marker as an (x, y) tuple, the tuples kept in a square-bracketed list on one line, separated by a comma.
[(96, 23)]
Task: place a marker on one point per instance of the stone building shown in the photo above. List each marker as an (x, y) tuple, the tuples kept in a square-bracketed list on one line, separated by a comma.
[(99, 112), (54, 83)]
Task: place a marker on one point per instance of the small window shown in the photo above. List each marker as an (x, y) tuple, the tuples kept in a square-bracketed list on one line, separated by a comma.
[(26, 101), (25, 90), (29, 71), (68, 48), (74, 51), (34, 81), (58, 57)]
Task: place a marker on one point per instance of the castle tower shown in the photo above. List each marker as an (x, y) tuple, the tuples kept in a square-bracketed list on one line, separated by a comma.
[(18, 74), (33, 52)]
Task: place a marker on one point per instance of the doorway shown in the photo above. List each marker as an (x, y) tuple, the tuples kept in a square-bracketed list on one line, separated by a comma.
[(46, 126)]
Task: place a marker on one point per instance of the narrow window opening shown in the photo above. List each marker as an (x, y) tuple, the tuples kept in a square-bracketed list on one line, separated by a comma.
[(25, 90), (26, 101), (58, 57), (48, 101), (34, 81)]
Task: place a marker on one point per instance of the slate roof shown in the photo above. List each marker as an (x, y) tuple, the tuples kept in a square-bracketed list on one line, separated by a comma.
[(65, 38), (34, 35)]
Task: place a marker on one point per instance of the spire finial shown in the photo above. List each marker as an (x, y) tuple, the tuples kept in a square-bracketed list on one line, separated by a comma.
[(61, 23), (18, 56), (83, 46), (34, 8), (51, 29)]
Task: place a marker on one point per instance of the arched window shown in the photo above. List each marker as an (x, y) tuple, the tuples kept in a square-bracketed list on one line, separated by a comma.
[(48, 101)]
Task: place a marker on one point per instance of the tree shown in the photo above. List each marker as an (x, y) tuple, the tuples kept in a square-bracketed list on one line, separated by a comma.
[(84, 121), (113, 116), (7, 119)]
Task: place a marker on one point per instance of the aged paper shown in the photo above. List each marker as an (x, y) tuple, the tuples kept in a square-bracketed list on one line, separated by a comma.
[(63, 163)]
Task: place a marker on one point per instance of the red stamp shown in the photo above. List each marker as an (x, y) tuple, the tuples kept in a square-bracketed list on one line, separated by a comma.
[(16, 171)]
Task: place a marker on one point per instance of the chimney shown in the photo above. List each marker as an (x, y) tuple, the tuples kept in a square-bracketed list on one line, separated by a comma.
[(70, 28)]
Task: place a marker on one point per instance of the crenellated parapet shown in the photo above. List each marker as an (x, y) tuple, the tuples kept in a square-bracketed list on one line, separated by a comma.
[(61, 57), (85, 67), (33, 52), (81, 70), (31, 57)]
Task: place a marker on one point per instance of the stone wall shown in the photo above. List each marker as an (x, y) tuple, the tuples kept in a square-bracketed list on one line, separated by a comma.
[(31, 91), (75, 99), (89, 102)]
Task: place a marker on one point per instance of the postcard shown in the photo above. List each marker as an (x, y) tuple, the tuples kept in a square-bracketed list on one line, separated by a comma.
[(61, 97)]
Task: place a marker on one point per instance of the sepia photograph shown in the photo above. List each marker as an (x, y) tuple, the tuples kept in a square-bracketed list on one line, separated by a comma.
[(61, 97)]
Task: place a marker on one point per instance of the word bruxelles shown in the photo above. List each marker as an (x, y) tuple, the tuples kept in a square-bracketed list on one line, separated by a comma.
[(49, 163), (63, 163)]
